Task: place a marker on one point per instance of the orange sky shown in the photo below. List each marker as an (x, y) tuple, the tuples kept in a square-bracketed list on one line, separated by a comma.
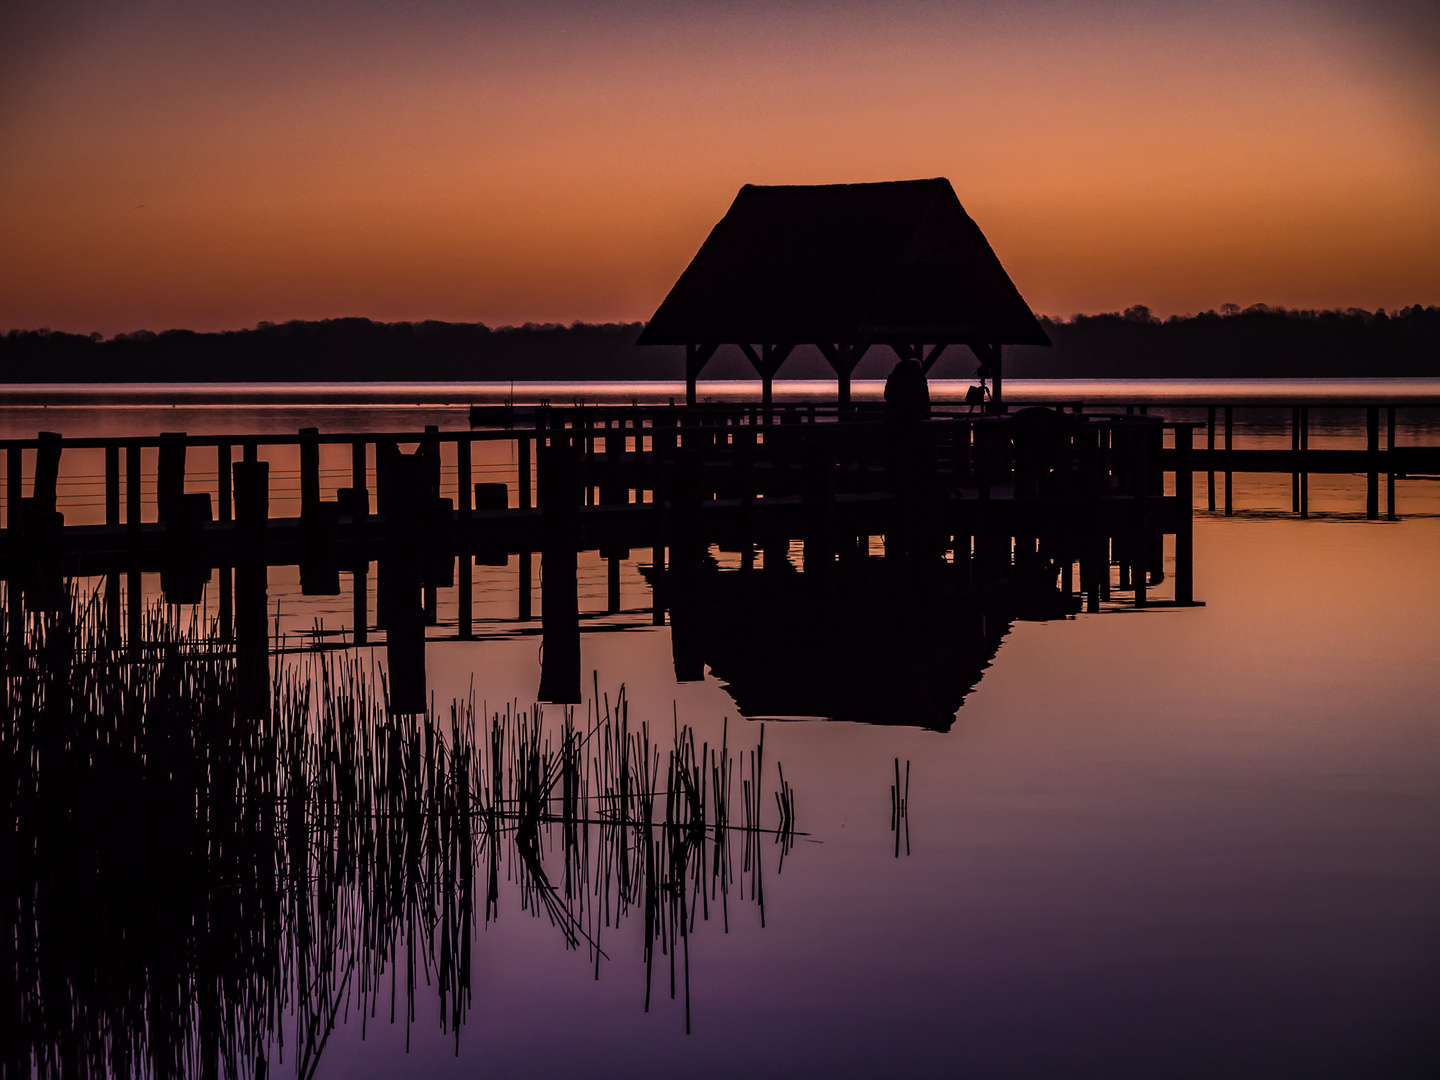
[(166, 166)]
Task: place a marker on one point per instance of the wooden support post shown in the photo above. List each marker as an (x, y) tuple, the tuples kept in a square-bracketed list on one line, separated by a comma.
[(309, 471), (1295, 460), (1372, 466), (250, 452), (1185, 525), (1390, 460), (523, 588), (695, 358), (1210, 456), (15, 479), (1140, 570), (132, 487), (463, 494), (1304, 454), (112, 490), (1229, 445), (222, 482), (522, 470)]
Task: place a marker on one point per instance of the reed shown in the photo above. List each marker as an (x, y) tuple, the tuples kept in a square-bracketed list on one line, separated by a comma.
[(197, 894)]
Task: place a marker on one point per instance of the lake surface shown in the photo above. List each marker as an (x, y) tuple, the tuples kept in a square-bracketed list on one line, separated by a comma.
[(1172, 842)]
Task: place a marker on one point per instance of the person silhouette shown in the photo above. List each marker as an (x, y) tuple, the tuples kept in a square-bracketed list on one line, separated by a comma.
[(907, 394)]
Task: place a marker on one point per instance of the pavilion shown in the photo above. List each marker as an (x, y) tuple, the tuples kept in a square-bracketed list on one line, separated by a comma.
[(844, 267)]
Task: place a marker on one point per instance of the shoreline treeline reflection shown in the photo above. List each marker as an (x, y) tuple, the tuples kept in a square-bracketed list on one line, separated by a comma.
[(191, 893)]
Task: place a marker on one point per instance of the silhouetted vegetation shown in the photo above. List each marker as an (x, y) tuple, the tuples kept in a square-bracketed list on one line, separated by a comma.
[(1256, 342), (190, 893)]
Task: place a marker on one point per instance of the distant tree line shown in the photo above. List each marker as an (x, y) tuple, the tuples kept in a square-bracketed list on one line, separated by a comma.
[(1259, 341)]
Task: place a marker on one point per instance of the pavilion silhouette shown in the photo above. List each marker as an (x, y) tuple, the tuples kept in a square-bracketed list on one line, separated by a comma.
[(844, 267)]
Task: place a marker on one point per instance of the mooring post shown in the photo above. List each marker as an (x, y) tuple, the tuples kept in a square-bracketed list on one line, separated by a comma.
[(132, 487), (1304, 461), (222, 471), (1372, 464), (522, 469), (112, 488), (1390, 464), (463, 493), (1210, 454), (15, 479), (1229, 445), (1185, 524), (309, 471), (1140, 570), (1295, 458)]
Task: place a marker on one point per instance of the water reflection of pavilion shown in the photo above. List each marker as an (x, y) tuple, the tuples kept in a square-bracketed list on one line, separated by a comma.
[(873, 643)]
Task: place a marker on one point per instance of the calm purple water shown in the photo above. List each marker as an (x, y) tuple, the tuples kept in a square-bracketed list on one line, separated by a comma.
[(1193, 842)]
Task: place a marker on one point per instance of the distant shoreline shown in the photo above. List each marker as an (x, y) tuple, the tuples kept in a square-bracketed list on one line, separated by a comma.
[(1259, 342)]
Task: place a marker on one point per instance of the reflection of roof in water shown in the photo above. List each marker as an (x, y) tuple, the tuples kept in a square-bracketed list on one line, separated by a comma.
[(898, 261), (868, 648)]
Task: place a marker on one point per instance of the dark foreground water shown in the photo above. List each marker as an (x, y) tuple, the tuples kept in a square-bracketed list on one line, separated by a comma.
[(1165, 843)]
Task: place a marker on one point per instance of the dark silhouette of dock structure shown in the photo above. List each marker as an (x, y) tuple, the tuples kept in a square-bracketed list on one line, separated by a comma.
[(970, 506), (844, 267)]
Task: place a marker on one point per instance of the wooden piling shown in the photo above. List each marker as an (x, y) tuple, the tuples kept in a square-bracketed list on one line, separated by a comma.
[(112, 489), (132, 487), (1229, 445), (1210, 455), (1372, 469), (1304, 454), (1185, 519), (309, 471), (463, 491), (1390, 514), (1295, 459), (15, 478), (222, 478)]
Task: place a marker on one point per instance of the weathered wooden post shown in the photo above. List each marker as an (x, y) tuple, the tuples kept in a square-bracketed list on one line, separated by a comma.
[(1304, 461), (1372, 463), (1140, 544), (222, 482), (1210, 455), (1185, 523), (15, 478), (1390, 464), (112, 486), (309, 471), (1229, 445), (1295, 459), (464, 599)]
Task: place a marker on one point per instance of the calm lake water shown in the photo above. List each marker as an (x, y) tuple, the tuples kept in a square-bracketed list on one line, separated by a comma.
[(1173, 842)]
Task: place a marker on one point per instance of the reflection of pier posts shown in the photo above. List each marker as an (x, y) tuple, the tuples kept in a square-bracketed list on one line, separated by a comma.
[(252, 639), (559, 601), (405, 489)]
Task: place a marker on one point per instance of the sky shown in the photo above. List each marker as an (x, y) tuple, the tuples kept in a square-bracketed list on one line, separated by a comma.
[(212, 165)]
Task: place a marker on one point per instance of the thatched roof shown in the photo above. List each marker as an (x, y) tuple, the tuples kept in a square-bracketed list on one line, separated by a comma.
[(891, 263)]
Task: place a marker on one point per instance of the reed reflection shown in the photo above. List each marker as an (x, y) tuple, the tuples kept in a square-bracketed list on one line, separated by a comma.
[(200, 888)]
